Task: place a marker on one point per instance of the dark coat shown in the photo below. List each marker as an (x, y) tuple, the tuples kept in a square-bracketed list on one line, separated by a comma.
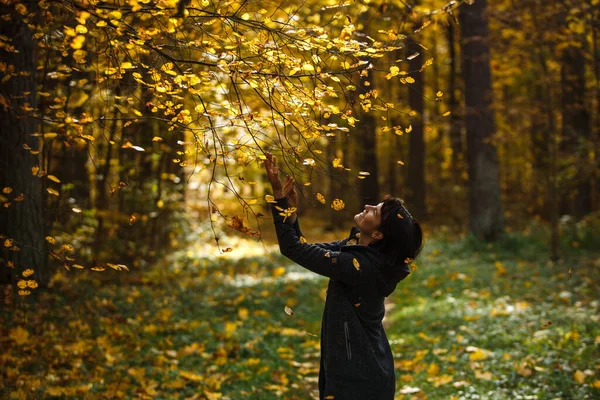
[(356, 358)]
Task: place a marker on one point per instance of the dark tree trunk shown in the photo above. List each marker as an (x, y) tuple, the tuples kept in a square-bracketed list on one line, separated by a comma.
[(576, 134), (485, 205), (540, 148), (456, 141), (367, 144), (416, 156), (21, 221)]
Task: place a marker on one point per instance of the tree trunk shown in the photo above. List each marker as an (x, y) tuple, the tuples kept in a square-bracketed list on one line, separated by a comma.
[(576, 134), (21, 221), (456, 141), (485, 205), (416, 155)]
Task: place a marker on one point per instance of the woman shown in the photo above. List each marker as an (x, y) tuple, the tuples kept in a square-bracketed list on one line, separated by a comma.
[(356, 359)]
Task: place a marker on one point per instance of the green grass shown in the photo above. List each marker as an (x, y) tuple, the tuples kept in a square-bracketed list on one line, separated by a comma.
[(471, 322)]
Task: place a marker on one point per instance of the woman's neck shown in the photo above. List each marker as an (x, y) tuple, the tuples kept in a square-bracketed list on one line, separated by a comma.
[(364, 239)]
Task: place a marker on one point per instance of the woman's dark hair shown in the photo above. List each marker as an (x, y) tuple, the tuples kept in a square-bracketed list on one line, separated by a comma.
[(402, 236)]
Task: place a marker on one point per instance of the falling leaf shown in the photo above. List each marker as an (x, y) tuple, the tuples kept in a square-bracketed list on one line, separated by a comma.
[(53, 178), (356, 264), (303, 239), (321, 198), (570, 272), (237, 223), (399, 216), (270, 199), (288, 310), (53, 192), (547, 324), (133, 218), (338, 204), (27, 272)]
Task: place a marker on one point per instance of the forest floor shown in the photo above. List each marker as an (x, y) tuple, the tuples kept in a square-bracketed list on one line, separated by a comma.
[(473, 321)]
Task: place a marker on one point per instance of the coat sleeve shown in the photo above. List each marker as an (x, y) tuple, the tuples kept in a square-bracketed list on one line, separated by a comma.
[(337, 265), (335, 246)]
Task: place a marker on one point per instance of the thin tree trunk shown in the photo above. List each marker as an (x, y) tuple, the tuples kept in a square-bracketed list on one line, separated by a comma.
[(416, 157), (456, 141)]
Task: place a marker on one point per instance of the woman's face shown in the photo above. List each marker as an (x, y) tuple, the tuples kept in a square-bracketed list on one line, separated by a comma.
[(369, 219)]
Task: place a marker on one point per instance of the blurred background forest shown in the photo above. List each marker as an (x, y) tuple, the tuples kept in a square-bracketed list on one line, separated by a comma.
[(133, 133)]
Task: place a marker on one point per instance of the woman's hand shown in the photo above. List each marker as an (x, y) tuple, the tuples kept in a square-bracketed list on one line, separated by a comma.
[(273, 175), (289, 191)]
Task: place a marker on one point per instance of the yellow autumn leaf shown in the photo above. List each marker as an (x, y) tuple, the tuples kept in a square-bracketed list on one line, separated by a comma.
[(230, 328), (191, 376), (479, 355), (487, 375), (338, 204), (19, 335), (270, 199), (53, 192), (279, 271), (579, 377), (440, 380), (321, 198), (356, 264), (243, 313), (53, 178), (27, 272)]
